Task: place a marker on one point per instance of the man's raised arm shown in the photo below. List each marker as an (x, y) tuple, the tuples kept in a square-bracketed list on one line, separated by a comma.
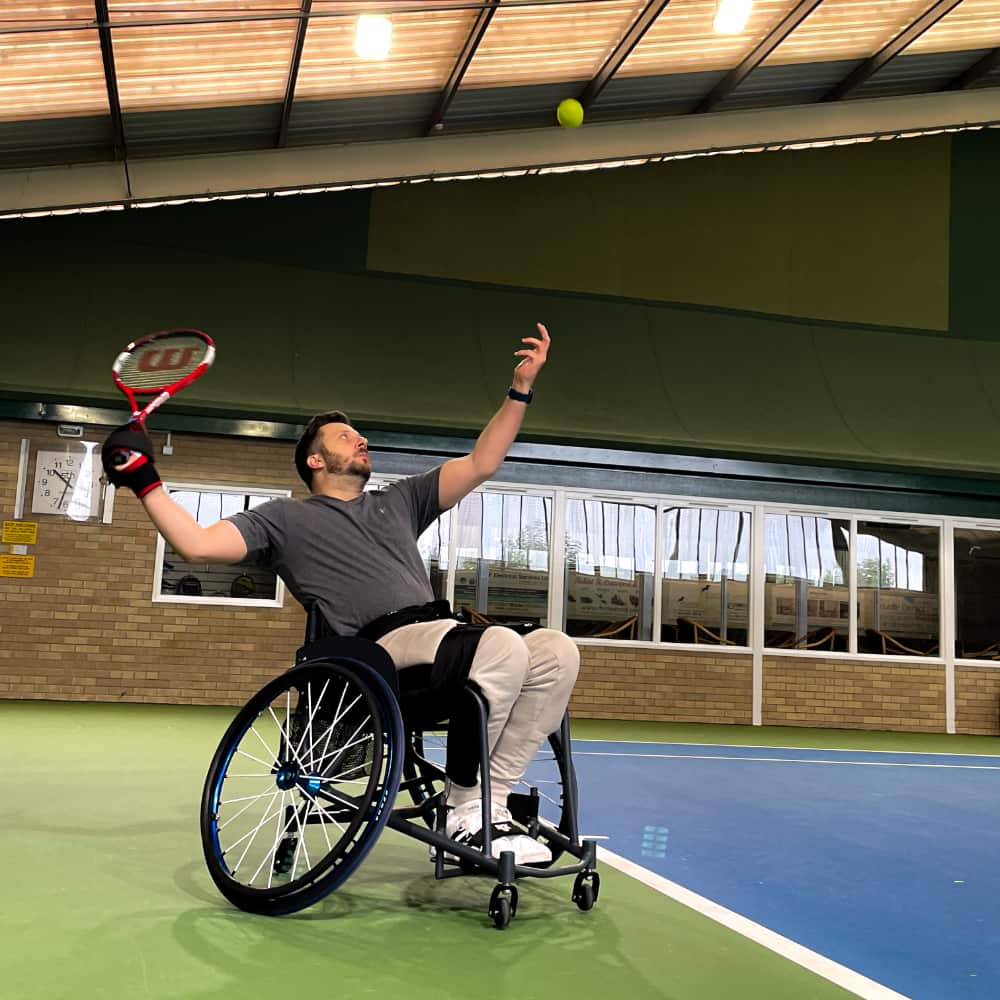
[(460, 476), (218, 543)]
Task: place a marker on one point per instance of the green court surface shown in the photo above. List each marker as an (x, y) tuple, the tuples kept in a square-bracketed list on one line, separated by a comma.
[(105, 893)]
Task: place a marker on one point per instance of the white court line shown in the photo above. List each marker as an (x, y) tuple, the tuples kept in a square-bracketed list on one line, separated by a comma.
[(788, 760), (830, 970), (762, 746)]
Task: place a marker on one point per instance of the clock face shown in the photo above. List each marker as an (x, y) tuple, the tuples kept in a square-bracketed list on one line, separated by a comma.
[(67, 482)]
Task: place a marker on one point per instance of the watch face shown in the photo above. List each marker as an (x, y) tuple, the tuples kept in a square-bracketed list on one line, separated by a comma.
[(66, 483)]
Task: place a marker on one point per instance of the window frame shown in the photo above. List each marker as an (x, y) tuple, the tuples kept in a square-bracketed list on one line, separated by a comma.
[(278, 601)]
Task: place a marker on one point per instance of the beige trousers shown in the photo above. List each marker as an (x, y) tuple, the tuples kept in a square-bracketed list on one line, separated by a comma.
[(527, 681)]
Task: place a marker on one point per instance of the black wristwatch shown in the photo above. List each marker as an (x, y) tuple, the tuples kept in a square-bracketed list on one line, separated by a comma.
[(520, 397)]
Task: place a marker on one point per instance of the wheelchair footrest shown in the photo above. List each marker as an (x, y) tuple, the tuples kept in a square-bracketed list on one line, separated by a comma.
[(524, 809)]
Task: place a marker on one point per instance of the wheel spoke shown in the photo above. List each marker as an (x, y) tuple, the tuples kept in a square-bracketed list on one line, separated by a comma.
[(244, 798), (257, 760), (279, 830), (301, 842), (222, 826), (321, 811), (252, 834)]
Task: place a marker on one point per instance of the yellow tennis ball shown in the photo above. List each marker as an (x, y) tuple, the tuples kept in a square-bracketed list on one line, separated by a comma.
[(569, 114)]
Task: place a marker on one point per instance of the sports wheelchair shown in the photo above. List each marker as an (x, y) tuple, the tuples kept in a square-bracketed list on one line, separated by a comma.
[(311, 769)]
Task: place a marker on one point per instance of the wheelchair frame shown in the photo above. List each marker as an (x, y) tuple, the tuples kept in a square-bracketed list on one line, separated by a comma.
[(424, 820)]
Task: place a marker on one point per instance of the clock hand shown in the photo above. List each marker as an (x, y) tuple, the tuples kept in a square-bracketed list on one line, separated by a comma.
[(64, 492), (68, 482)]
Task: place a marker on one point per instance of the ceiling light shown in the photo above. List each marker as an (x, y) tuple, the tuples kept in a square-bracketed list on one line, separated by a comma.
[(373, 36), (731, 16)]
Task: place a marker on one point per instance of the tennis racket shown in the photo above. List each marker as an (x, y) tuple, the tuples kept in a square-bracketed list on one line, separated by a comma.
[(159, 365)]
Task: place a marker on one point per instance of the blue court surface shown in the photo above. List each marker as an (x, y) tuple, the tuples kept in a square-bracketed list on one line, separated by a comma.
[(885, 862)]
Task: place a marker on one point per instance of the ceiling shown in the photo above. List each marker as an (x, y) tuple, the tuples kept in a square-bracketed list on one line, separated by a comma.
[(123, 81)]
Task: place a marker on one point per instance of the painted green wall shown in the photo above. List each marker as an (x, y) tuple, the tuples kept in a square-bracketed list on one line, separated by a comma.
[(302, 324), (819, 234)]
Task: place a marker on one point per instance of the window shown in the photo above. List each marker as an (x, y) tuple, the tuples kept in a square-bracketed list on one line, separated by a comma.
[(609, 569), (433, 545), (240, 584), (706, 570), (977, 593), (502, 557), (897, 574), (806, 594)]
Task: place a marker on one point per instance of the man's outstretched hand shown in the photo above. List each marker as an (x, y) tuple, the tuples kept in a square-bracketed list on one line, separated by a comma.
[(127, 457), (532, 358)]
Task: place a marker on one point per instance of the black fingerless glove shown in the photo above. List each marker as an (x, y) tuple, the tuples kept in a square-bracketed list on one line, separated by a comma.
[(127, 457)]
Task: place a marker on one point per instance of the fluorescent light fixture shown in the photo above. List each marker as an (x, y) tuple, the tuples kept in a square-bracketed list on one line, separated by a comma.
[(731, 16), (373, 36)]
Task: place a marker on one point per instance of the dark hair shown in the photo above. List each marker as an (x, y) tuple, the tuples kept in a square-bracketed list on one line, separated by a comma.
[(305, 448)]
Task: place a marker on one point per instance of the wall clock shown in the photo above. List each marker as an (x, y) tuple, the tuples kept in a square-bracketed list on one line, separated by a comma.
[(67, 481)]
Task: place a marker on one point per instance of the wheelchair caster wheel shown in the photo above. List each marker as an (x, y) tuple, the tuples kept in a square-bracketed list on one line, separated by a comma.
[(586, 889), (503, 906)]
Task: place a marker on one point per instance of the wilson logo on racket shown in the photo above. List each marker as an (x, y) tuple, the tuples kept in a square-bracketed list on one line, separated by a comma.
[(171, 359), (160, 365)]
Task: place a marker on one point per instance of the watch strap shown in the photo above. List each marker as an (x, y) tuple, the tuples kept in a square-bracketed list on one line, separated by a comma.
[(520, 397)]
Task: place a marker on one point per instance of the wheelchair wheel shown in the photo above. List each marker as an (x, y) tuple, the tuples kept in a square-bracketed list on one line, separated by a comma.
[(301, 786)]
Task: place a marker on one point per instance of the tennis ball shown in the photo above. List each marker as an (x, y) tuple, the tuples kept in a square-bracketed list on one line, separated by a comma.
[(569, 114)]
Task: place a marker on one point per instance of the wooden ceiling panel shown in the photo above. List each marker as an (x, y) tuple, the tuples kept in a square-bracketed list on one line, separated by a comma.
[(424, 49), (548, 44), (846, 29), (683, 40), (973, 24), (50, 74), (184, 65)]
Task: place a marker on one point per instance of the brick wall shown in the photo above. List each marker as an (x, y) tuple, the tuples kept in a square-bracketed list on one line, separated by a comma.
[(977, 700), (619, 682), (815, 691), (85, 628)]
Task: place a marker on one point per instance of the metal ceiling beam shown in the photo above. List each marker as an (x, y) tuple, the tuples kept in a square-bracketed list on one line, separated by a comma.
[(760, 52), (622, 51), (979, 69), (468, 53), (170, 178), (110, 77), (293, 73), (907, 36)]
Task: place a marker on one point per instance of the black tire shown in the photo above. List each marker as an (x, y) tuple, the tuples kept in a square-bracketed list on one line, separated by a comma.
[(503, 906), (586, 888), (314, 759), (501, 914)]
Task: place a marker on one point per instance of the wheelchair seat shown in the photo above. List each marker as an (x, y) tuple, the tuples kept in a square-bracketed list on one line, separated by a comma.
[(312, 769)]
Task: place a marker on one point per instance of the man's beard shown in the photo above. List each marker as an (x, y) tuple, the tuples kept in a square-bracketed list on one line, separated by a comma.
[(352, 466)]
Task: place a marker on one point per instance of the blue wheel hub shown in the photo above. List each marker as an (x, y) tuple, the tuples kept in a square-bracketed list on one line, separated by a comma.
[(287, 777)]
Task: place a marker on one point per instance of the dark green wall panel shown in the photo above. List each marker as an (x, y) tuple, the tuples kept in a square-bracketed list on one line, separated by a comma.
[(975, 222), (280, 283)]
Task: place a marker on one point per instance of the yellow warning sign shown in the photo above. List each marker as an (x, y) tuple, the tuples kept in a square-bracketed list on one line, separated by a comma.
[(22, 566), (20, 532)]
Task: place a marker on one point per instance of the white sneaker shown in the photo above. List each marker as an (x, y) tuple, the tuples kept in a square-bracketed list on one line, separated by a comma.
[(509, 837), (464, 824)]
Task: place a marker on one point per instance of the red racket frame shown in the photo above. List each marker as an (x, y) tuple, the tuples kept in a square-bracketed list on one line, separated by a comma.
[(160, 393)]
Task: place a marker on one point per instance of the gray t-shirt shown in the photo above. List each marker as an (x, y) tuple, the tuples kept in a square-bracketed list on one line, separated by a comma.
[(353, 559)]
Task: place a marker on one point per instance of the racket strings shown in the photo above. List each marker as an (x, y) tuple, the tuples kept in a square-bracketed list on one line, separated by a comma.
[(161, 362)]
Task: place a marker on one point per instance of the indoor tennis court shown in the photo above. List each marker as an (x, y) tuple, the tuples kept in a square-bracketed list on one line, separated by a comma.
[(391, 391)]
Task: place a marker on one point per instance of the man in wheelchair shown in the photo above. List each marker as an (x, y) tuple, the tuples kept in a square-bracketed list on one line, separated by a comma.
[(351, 558)]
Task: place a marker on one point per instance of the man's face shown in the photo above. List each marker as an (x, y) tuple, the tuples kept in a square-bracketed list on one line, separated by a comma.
[(344, 451)]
